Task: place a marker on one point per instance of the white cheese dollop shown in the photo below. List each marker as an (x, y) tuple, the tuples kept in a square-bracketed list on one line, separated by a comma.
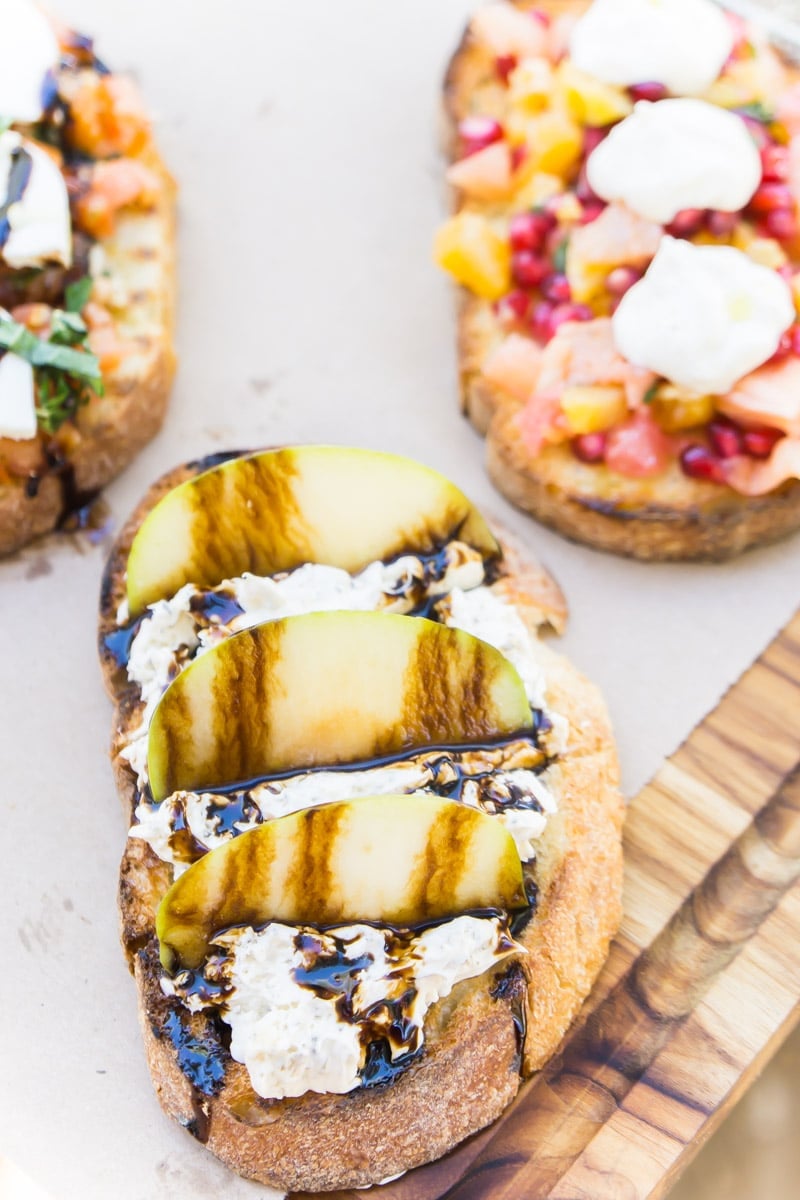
[(293, 1041), (703, 316), (17, 398), (28, 50), (40, 227), (682, 44), (673, 155)]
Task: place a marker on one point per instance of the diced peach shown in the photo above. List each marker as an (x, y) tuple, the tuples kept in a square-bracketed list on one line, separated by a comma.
[(593, 408), (767, 253), (485, 175), (538, 423), (535, 191), (768, 396), (588, 100), (507, 32), (107, 116), (618, 237), (583, 353), (751, 477), (475, 255), (514, 366)]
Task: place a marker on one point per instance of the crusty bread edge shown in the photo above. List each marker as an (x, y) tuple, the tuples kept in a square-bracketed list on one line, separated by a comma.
[(474, 1068), (133, 411), (707, 522)]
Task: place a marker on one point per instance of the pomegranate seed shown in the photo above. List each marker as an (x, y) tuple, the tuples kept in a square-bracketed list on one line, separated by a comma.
[(528, 231), (621, 279), (686, 222), (781, 223), (528, 269), (539, 15), (647, 90), (759, 443), (569, 312), (589, 447), (698, 462), (556, 288), (726, 438), (513, 307), (540, 320), (721, 224), (477, 133), (775, 163), (591, 211), (771, 196), (504, 64)]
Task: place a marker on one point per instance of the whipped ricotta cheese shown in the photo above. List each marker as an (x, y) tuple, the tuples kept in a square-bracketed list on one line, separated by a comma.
[(673, 155), (682, 44), (703, 316), (288, 1025), (17, 398), (28, 50), (500, 780), (33, 189)]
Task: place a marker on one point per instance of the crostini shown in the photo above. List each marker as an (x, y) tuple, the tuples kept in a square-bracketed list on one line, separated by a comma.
[(627, 247), (86, 275), (374, 860)]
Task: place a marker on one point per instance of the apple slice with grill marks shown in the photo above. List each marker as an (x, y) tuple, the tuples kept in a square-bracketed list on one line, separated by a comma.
[(328, 688), (397, 860), (276, 510)]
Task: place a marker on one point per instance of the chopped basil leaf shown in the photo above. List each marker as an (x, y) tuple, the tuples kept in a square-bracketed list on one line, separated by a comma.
[(77, 294), (652, 392), (40, 353), (66, 376)]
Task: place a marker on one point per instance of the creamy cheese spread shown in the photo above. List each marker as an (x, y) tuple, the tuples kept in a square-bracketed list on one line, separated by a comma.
[(28, 50), (703, 316), (17, 398), (33, 188), (673, 155), (501, 780), (682, 44), (306, 1007)]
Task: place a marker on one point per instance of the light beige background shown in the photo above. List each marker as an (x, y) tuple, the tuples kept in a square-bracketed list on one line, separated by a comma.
[(303, 134)]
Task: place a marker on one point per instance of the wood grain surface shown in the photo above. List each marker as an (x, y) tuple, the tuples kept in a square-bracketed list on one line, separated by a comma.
[(703, 981)]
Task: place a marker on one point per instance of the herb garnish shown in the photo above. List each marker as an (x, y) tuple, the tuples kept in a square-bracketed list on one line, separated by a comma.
[(67, 373), (652, 392), (757, 111), (77, 294), (560, 256)]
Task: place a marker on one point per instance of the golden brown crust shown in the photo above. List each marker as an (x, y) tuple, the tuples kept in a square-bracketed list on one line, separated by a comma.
[(472, 1065), (669, 517), (113, 428)]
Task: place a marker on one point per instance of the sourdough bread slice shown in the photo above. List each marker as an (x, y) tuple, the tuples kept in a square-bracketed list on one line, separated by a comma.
[(666, 517), (480, 1040)]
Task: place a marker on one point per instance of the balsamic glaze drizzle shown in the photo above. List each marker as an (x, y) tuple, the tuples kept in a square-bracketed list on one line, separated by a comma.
[(18, 179)]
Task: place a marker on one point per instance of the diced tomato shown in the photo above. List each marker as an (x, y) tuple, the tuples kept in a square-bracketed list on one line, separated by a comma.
[(485, 175), (638, 448), (514, 366), (104, 341), (107, 116), (115, 185), (36, 317)]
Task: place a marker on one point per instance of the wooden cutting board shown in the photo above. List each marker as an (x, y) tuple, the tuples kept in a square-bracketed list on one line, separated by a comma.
[(702, 984)]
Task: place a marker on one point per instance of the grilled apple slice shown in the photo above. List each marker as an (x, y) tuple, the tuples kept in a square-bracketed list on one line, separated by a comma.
[(279, 509), (328, 688), (399, 860)]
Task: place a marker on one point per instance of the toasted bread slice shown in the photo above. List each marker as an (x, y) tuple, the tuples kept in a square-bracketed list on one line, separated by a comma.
[(137, 287), (667, 517), (480, 1041)]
